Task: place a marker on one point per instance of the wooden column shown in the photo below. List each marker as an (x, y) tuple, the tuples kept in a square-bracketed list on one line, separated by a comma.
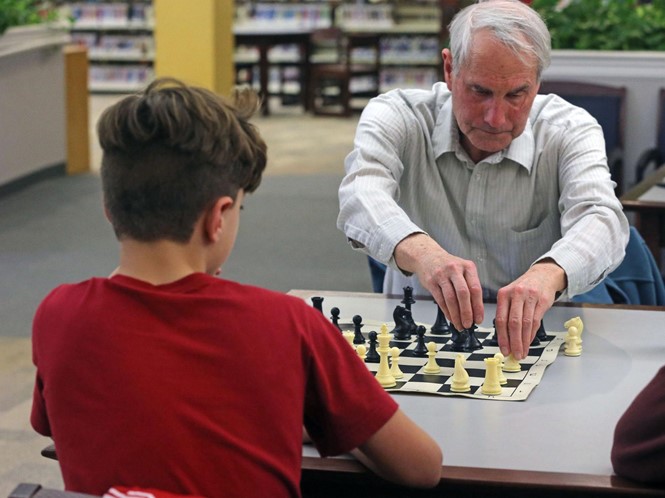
[(194, 42), (76, 109)]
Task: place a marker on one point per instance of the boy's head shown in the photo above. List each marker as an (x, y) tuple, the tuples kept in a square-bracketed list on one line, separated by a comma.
[(170, 152)]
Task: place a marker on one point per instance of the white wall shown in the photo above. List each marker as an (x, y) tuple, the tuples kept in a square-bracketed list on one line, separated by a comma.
[(642, 73), (32, 103)]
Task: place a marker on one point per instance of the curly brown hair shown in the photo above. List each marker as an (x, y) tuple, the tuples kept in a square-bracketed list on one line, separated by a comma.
[(170, 151)]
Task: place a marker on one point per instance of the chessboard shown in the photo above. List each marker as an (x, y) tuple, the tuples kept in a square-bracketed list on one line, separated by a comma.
[(519, 386)]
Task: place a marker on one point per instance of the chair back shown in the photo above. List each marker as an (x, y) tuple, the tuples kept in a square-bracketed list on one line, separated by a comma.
[(654, 156), (607, 105)]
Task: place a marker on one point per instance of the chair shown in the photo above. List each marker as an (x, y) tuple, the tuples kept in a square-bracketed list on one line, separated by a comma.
[(637, 280), (607, 105), (331, 83), (26, 490), (655, 156)]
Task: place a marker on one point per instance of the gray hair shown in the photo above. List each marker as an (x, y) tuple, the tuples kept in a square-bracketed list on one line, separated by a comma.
[(511, 22)]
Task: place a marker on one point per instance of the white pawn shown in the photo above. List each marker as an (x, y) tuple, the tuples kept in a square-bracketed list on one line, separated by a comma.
[(394, 363), (349, 337), (432, 366), (460, 382), (499, 366), (511, 364), (573, 342), (361, 349)]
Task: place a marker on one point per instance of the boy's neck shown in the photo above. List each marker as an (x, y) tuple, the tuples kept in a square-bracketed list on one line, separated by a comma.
[(160, 262)]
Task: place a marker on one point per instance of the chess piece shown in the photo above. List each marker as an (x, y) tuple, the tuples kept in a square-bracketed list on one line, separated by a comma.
[(394, 363), (455, 333), (535, 341), (318, 303), (408, 297), (460, 380), (472, 342), (575, 322), (372, 354), (432, 366), (573, 342), (357, 325), (383, 375), (334, 317), (491, 386), (362, 351), (460, 340), (440, 326), (403, 329), (511, 364), (499, 369), (541, 334), (494, 341), (348, 335), (421, 348)]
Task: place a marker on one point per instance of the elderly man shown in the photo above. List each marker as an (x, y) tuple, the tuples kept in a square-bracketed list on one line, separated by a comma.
[(482, 189)]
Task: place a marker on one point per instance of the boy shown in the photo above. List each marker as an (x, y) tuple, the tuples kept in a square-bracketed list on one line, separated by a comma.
[(163, 376)]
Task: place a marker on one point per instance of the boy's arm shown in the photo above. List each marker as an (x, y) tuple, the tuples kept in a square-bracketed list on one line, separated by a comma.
[(401, 440)]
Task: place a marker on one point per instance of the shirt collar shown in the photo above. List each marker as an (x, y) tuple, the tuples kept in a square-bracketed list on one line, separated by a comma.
[(445, 138)]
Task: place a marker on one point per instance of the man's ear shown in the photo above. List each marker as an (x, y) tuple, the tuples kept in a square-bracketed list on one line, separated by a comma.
[(447, 57), (213, 223)]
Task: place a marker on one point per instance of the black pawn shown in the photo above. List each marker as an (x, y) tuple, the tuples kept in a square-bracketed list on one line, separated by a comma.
[(494, 341), (421, 348), (408, 297), (472, 341), (541, 334), (441, 326), (357, 325), (461, 341), (372, 355), (318, 303), (334, 317)]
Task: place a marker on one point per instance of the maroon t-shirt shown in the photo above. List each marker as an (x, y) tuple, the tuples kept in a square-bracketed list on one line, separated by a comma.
[(200, 386), (639, 438)]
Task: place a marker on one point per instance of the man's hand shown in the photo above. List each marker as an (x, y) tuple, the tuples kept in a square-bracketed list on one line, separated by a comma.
[(452, 281), (521, 305)]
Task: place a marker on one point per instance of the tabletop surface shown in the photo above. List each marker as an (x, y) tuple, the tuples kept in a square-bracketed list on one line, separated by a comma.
[(567, 423)]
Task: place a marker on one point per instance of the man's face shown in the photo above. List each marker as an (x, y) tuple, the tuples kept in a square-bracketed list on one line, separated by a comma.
[(492, 95)]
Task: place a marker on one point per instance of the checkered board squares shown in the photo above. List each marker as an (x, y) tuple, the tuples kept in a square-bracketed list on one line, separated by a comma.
[(519, 386)]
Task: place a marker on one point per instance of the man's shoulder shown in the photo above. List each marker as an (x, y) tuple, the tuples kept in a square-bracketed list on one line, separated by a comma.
[(553, 109), (416, 100)]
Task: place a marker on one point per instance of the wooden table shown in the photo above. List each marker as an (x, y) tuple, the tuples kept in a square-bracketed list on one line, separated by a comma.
[(264, 41), (556, 443), (647, 200)]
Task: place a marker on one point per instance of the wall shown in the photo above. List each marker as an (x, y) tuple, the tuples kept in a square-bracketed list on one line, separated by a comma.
[(642, 73), (32, 102)]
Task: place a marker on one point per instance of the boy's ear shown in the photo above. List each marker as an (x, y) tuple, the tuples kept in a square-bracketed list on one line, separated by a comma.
[(214, 218)]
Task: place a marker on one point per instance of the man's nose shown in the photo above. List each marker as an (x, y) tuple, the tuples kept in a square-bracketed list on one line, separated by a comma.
[(495, 114)]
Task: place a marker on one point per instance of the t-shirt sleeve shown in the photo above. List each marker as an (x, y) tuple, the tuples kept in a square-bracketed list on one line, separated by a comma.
[(38, 416), (638, 452), (344, 404)]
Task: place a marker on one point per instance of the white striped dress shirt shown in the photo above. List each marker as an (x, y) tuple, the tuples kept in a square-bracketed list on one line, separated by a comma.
[(548, 195)]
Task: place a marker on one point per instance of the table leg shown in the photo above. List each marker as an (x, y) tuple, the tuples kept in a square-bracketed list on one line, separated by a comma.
[(263, 79)]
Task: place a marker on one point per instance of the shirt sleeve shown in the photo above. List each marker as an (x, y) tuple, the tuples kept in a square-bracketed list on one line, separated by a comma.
[(594, 228), (369, 214), (344, 403), (638, 451)]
